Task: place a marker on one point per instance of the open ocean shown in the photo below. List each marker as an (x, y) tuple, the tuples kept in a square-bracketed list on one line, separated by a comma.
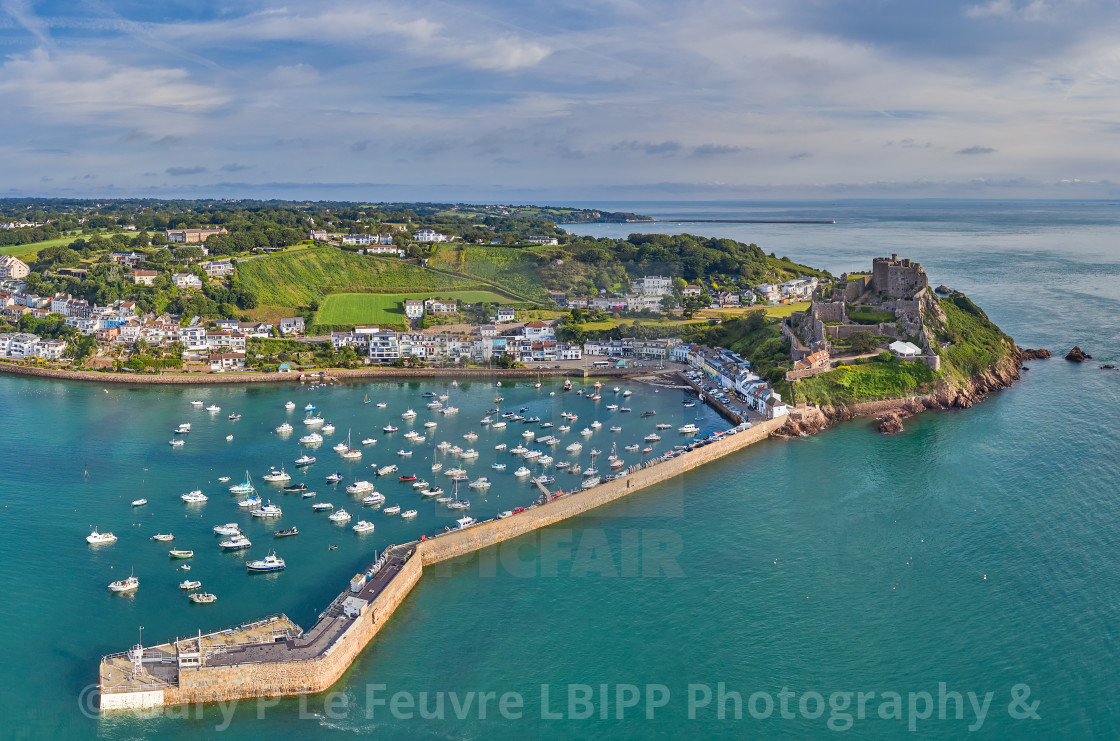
[(976, 552)]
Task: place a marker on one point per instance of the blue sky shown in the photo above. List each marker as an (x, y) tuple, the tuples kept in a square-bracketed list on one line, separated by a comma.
[(614, 99)]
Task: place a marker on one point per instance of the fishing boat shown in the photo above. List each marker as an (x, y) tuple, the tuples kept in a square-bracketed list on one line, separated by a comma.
[(389, 428), (180, 554), (294, 488), (204, 598), (163, 537), (305, 460), (408, 514), (689, 429), (139, 502), (245, 487), (374, 498), (650, 413), (275, 476), (359, 487), (340, 516), (271, 562), (176, 442), (131, 584), (284, 428), (249, 501), (393, 510), (230, 528), (290, 405), (188, 584), (236, 543), (96, 538), (334, 478), (363, 526), (311, 438), (268, 510), (286, 532), (322, 507), (194, 497)]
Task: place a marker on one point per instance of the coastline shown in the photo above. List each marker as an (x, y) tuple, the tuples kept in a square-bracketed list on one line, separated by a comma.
[(337, 374)]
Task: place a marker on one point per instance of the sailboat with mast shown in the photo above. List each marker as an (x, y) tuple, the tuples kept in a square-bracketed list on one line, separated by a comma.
[(245, 487), (350, 453)]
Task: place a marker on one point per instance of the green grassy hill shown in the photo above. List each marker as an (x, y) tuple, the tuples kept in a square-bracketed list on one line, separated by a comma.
[(514, 268), (386, 308)]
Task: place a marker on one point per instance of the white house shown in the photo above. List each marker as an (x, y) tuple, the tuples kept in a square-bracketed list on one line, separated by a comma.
[(217, 268), (292, 325), (441, 306), (383, 249), (543, 240), (186, 280), (227, 361), (655, 285), (11, 267), (413, 308), (430, 235), (505, 315)]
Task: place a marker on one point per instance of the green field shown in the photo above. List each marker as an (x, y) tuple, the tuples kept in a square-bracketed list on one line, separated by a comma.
[(386, 308), (512, 267), (27, 252)]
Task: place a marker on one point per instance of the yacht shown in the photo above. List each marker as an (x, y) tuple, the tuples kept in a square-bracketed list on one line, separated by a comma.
[(689, 429), (408, 514), (139, 502), (284, 428), (464, 522), (519, 450), (437, 467), (545, 460), (268, 510), (498, 466), (500, 447), (96, 538), (340, 447), (522, 471), (393, 510), (585, 432), (271, 562), (131, 584), (359, 487), (188, 584), (196, 403), (275, 476), (230, 528), (322, 507), (652, 437), (389, 428), (574, 448), (290, 405), (470, 453), (305, 460), (312, 438), (528, 434), (236, 543), (374, 498), (363, 527), (194, 497), (436, 492), (163, 537), (235, 416), (340, 516), (369, 441), (250, 501), (410, 414), (245, 487), (294, 488), (204, 598), (480, 483), (499, 425), (351, 455), (328, 428), (176, 442), (593, 481), (180, 554), (334, 478), (313, 420), (213, 408)]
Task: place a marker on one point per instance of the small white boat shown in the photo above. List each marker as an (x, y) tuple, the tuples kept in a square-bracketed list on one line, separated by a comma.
[(271, 562), (585, 432), (369, 441), (470, 436), (228, 438), (374, 498), (236, 543), (322, 506), (500, 446), (230, 528), (430, 424), (313, 438), (276, 476), (574, 448), (176, 443), (309, 408), (612, 407), (627, 392), (616, 428), (652, 437), (498, 466), (188, 584), (183, 428), (284, 428), (223, 479), (340, 516), (196, 403), (386, 470), (340, 447), (313, 420), (389, 428), (528, 434), (381, 405), (663, 426), (393, 510), (499, 425), (359, 487), (480, 483), (436, 492), (408, 514), (290, 405), (305, 460), (181, 554), (469, 453), (163, 537), (459, 504), (363, 527), (213, 408), (522, 471), (268, 510), (334, 478), (596, 425), (404, 453), (689, 429), (203, 599), (194, 497), (437, 467), (421, 484), (139, 502), (351, 455), (632, 447), (131, 584), (96, 538), (248, 502), (328, 428), (410, 414)]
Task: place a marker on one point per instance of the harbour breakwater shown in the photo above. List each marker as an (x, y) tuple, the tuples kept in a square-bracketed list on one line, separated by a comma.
[(310, 662), (295, 377)]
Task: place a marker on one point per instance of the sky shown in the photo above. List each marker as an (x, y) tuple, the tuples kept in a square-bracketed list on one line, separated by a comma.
[(551, 100)]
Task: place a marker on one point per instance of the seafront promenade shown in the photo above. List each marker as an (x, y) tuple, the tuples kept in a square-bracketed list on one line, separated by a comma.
[(276, 658)]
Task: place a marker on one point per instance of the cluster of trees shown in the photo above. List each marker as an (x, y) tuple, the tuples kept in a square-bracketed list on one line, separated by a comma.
[(28, 234)]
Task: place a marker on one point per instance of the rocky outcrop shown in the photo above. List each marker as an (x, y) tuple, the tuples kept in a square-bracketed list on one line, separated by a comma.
[(1077, 355), (891, 423), (1026, 353)]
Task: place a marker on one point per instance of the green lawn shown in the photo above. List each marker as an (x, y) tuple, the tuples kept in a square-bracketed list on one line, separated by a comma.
[(386, 308), (27, 252), (512, 267)]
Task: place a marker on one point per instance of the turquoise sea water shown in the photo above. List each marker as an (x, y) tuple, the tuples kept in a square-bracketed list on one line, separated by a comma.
[(977, 549)]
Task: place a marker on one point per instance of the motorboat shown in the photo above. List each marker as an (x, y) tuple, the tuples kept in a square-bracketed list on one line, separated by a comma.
[(407, 477), (437, 467), (228, 438), (271, 562), (444, 500), (410, 414), (381, 405), (616, 428), (546, 425), (404, 453), (183, 428), (359, 487), (689, 429), (275, 476), (96, 538), (389, 428), (139, 502), (436, 492), (328, 428), (312, 438), (480, 483), (284, 428), (528, 434), (469, 453), (194, 497), (459, 504), (615, 389), (250, 501), (230, 528), (369, 441), (531, 454), (632, 448), (586, 432), (131, 584), (500, 447), (421, 484), (363, 526), (294, 488), (322, 507), (593, 481), (393, 510), (498, 466), (408, 514), (449, 410), (545, 460), (650, 413), (565, 428), (652, 437), (444, 446), (223, 479), (163, 537), (646, 451), (334, 478), (340, 516), (305, 460), (624, 410), (485, 421), (544, 480), (596, 425), (309, 408), (386, 470), (431, 424), (618, 463), (188, 584), (627, 392), (180, 554), (290, 405), (204, 598), (176, 442), (196, 403), (340, 447), (236, 543), (522, 471), (663, 426), (563, 465), (213, 408), (313, 420), (268, 510), (454, 472), (235, 416), (464, 522), (308, 494), (519, 450), (245, 487), (574, 448), (470, 436), (374, 498), (429, 394)]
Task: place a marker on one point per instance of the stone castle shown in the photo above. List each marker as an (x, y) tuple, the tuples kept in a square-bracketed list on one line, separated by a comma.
[(897, 278)]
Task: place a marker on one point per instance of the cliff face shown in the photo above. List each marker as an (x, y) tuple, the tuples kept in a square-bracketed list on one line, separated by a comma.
[(811, 419)]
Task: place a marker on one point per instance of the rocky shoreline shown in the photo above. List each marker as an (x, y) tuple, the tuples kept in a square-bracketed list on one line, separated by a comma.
[(891, 413)]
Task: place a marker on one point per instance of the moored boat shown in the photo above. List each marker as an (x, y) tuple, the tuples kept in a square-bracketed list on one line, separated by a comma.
[(204, 598), (180, 554), (96, 538), (271, 562)]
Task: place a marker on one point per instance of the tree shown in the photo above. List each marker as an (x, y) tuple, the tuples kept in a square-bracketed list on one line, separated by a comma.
[(863, 341)]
